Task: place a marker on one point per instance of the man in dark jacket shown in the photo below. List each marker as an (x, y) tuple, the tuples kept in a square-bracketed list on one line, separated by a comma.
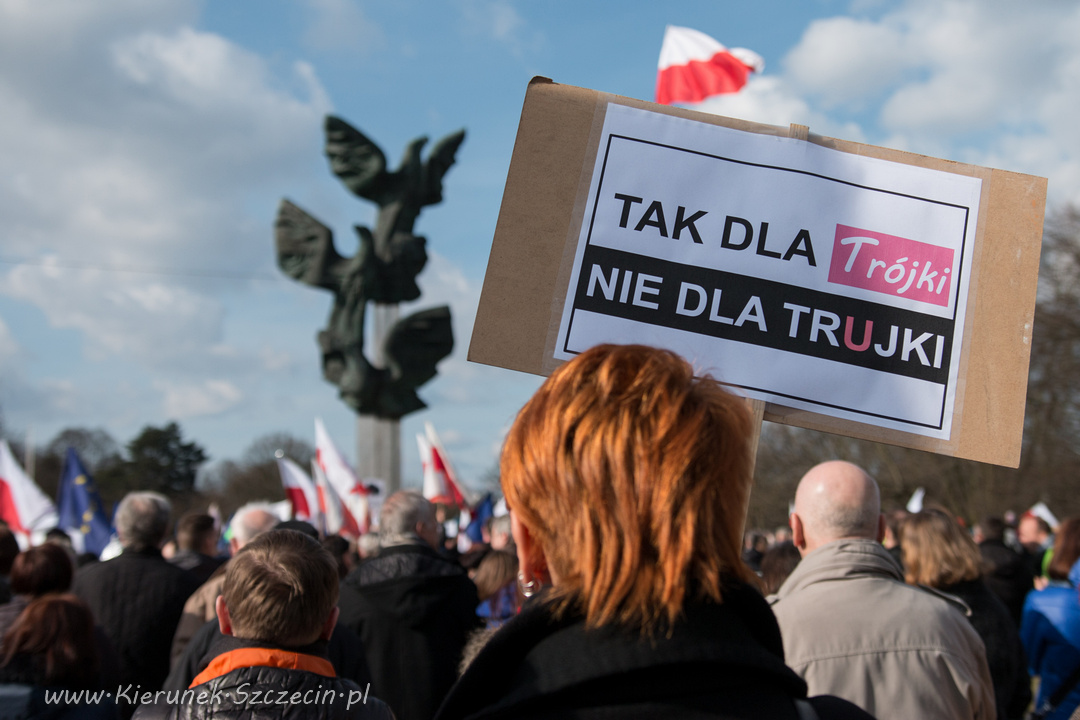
[(277, 612), (196, 543), (412, 608), (1009, 574), (138, 596)]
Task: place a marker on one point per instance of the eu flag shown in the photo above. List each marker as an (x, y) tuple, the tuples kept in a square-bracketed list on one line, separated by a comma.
[(481, 514), (80, 507)]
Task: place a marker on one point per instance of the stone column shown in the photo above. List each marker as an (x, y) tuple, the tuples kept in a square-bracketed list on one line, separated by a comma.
[(378, 441)]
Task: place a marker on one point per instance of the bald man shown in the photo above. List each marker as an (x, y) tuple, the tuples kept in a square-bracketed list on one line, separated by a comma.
[(850, 625)]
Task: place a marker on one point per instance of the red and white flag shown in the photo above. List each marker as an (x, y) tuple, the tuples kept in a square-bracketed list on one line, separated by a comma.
[(22, 504), (336, 519), (440, 481), (694, 66), (300, 491), (341, 478)]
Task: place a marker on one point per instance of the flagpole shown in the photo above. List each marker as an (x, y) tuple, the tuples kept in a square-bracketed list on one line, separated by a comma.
[(28, 453)]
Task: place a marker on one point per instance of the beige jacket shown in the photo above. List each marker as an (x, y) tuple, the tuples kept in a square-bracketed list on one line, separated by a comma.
[(198, 609), (854, 629)]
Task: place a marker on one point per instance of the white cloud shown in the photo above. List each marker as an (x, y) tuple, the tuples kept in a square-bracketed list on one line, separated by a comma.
[(147, 320), (946, 67), (9, 348), (498, 20), (210, 397), (504, 20), (992, 83), (771, 101), (274, 360), (341, 25), (150, 165), (846, 59)]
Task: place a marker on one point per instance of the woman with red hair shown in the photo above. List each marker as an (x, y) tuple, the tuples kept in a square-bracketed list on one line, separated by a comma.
[(51, 649), (627, 479)]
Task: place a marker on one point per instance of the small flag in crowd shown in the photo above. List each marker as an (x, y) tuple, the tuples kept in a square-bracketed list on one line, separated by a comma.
[(915, 503), (341, 478), (483, 512), (81, 510), (1040, 510), (694, 66), (22, 504), (440, 481), (333, 513), (300, 491)]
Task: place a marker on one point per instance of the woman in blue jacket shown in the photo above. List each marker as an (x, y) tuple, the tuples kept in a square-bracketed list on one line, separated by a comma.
[(1050, 626)]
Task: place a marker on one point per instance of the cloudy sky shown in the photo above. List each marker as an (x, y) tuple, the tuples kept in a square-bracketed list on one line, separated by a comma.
[(144, 148)]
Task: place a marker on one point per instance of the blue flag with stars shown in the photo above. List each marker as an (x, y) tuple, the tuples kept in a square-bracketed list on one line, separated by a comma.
[(80, 506), (481, 514)]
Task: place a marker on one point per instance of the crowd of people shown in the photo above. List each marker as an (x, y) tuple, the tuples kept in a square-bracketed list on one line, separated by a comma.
[(1016, 582), (619, 585)]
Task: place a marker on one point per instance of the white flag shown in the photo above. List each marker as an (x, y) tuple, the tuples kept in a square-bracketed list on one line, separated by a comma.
[(914, 505)]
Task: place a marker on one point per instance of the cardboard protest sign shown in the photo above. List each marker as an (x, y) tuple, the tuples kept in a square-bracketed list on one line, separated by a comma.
[(835, 281)]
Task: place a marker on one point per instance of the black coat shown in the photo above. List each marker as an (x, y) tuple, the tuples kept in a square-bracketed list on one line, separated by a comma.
[(1004, 653), (199, 565), (1009, 576), (281, 692), (344, 650), (413, 610), (722, 661), (137, 599)]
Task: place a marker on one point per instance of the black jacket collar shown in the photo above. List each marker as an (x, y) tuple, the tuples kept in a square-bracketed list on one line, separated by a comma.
[(534, 655)]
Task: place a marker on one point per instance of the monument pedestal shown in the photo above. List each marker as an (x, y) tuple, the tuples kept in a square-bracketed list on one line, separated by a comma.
[(378, 440), (378, 451)]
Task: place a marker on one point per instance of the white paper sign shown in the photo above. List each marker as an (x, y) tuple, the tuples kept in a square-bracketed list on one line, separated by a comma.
[(806, 277)]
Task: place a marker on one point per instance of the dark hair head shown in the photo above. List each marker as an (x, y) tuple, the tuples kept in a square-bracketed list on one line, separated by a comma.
[(339, 548), (498, 568), (54, 636), (58, 535), (992, 528), (42, 569), (194, 530), (281, 588), (9, 548), (1066, 549), (301, 526), (777, 563)]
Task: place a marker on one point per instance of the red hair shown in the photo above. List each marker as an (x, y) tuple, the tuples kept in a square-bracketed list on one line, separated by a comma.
[(55, 634), (633, 476), (1066, 549)]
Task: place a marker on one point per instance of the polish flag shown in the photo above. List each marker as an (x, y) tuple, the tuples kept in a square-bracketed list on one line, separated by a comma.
[(342, 479), (300, 491), (23, 506), (440, 480), (694, 66), (336, 519)]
